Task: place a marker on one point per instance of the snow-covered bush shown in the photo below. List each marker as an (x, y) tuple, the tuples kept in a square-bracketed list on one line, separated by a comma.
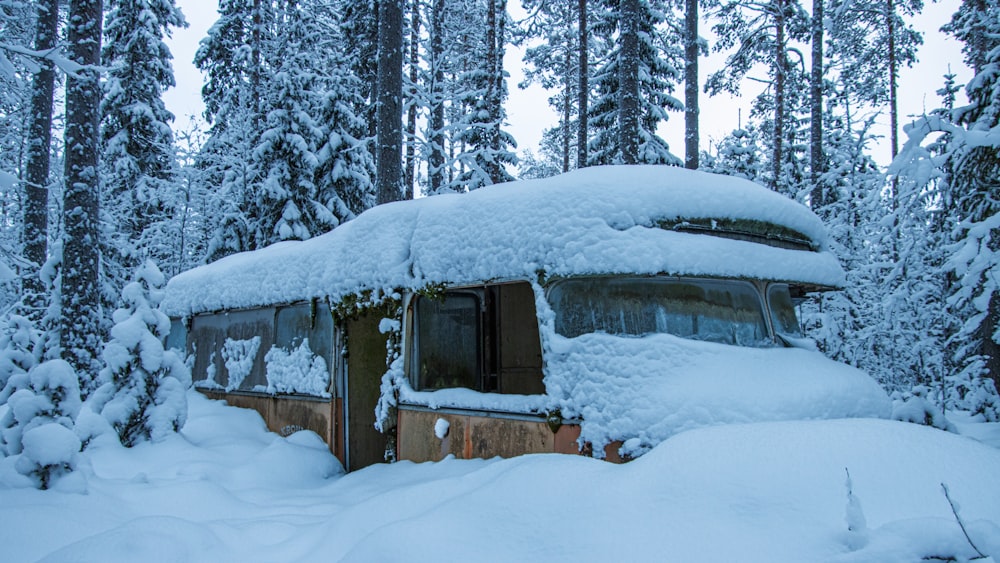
[(975, 394), (917, 407), (17, 348), (37, 428), (141, 395)]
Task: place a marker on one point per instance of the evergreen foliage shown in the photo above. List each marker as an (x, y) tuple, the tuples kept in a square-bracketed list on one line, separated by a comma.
[(37, 426), (659, 55), (143, 386), (138, 154)]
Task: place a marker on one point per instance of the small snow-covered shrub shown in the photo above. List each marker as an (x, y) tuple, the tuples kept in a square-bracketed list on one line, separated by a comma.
[(141, 395), (17, 347), (917, 407), (37, 428), (975, 394)]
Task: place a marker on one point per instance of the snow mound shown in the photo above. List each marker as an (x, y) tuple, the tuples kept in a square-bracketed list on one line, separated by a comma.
[(225, 489)]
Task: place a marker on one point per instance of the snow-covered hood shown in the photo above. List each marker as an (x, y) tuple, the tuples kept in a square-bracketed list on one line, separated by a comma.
[(646, 389)]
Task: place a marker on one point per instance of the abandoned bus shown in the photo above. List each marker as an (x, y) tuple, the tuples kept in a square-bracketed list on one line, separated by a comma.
[(600, 311)]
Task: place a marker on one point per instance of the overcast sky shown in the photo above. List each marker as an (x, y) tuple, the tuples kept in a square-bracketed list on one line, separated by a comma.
[(529, 114)]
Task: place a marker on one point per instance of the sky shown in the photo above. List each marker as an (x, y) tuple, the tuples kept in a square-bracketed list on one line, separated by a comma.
[(529, 114)]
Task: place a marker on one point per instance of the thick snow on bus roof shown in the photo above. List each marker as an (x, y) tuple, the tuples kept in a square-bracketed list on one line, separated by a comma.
[(593, 221)]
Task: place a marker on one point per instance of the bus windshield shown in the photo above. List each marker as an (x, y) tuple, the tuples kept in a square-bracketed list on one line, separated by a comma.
[(724, 311)]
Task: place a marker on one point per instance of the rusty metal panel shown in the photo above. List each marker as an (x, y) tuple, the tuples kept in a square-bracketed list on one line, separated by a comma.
[(287, 416), (491, 437), (417, 442)]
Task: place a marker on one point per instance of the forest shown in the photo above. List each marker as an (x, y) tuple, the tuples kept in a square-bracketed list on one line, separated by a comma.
[(317, 110)]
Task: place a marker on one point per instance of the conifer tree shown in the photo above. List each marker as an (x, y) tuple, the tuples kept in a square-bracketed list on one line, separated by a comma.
[(138, 146), (658, 56), (142, 394)]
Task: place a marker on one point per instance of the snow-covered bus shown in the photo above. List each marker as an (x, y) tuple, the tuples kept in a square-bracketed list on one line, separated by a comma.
[(599, 311)]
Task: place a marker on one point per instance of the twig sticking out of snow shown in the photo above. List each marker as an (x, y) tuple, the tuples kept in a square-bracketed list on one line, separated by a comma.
[(857, 526), (954, 510)]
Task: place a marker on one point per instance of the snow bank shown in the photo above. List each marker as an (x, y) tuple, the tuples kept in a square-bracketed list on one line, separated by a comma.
[(225, 489), (669, 384), (597, 220)]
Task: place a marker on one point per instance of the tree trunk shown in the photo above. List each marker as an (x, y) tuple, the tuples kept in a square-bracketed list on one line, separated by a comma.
[(494, 56), (779, 93), (411, 114), (389, 114), (816, 159), (584, 93), (81, 315), (691, 136), (36, 204), (628, 82), (436, 160), (568, 69)]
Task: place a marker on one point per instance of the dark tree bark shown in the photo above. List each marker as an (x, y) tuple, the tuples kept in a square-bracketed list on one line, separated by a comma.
[(781, 66), (495, 17), (817, 162), (411, 114), (691, 110), (36, 204), (389, 114), (566, 134), (435, 162), (584, 93), (81, 315), (628, 82)]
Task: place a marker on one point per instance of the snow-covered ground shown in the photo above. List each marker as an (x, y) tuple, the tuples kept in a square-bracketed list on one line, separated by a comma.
[(225, 489)]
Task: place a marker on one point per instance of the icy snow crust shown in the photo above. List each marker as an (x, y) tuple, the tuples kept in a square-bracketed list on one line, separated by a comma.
[(591, 221), (225, 489)]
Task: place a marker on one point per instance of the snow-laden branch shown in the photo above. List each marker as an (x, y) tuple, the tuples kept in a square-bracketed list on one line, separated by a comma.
[(55, 55)]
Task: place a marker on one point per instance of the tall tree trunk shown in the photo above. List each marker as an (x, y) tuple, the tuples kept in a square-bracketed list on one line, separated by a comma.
[(691, 110), (36, 204), (256, 61), (779, 93), (628, 82), (890, 13), (389, 114), (584, 93), (411, 114), (816, 159), (435, 162), (80, 323), (893, 72), (568, 69), (495, 16)]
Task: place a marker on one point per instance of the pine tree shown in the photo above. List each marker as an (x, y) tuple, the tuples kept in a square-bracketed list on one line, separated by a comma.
[(658, 57), (976, 166), (555, 65), (37, 427), (486, 146), (761, 34), (287, 205), (142, 394), (139, 155)]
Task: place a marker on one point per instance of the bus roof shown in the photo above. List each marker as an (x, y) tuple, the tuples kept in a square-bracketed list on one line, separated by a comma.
[(599, 220)]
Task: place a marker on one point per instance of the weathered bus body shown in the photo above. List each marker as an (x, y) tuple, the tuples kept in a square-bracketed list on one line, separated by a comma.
[(599, 311)]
